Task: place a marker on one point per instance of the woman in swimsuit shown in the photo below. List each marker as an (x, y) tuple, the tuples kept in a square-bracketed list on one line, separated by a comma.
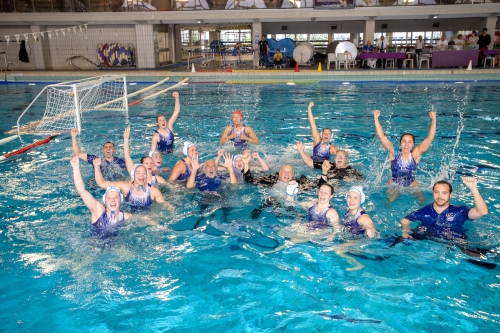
[(404, 163), (163, 138), (182, 169)]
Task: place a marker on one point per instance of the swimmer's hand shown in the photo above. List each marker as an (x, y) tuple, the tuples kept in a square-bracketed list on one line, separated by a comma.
[(470, 182), (376, 114), (300, 146), (325, 167), (311, 104), (220, 152), (126, 133), (231, 136), (228, 161), (432, 115), (74, 132), (97, 162), (75, 162), (255, 155), (195, 164), (175, 94)]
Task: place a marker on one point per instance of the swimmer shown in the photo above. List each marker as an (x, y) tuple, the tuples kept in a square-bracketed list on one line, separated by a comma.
[(111, 168), (145, 160), (163, 138), (138, 193), (322, 148), (404, 163), (182, 169), (440, 219), (105, 218), (239, 165), (239, 133), (157, 162), (210, 180)]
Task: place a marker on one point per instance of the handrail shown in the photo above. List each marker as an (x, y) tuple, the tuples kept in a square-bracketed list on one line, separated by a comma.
[(6, 69), (69, 62)]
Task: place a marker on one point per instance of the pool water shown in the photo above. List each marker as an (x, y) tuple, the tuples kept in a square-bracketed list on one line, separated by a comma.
[(220, 277)]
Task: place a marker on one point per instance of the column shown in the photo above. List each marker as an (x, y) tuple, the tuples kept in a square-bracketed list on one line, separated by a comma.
[(145, 57), (41, 49), (256, 33), (369, 32)]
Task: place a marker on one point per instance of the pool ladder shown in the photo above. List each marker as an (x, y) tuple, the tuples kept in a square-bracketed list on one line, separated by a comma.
[(69, 62), (6, 67)]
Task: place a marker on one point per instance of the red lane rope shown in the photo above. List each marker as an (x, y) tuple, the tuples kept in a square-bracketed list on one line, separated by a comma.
[(31, 146)]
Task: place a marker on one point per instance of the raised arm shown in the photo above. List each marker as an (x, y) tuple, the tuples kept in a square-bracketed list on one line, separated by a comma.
[(380, 133), (250, 136), (480, 208), (220, 153), (76, 148), (263, 164), (195, 165), (177, 110), (425, 145), (126, 150), (228, 164), (226, 136), (306, 158), (312, 122), (92, 204), (154, 142), (99, 179), (178, 169)]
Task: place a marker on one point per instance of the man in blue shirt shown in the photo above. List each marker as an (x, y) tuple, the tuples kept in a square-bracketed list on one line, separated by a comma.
[(210, 180), (369, 48), (111, 167), (442, 220)]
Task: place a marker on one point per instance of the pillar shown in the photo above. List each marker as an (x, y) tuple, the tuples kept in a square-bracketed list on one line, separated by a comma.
[(41, 48), (174, 43), (369, 31), (145, 50), (256, 33)]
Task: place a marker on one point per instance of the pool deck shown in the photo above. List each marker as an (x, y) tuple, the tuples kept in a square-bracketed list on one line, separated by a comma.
[(266, 76)]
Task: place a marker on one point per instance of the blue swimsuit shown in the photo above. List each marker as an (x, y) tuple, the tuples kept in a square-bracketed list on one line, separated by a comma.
[(185, 175), (105, 227), (166, 143), (403, 172), (321, 153), (139, 201), (154, 181), (318, 220), (352, 224), (238, 142)]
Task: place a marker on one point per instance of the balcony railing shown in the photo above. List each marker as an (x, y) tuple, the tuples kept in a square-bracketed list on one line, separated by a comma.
[(39, 6)]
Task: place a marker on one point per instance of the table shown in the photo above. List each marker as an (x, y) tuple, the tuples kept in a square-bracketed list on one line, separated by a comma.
[(454, 58), (491, 52), (378, 55)]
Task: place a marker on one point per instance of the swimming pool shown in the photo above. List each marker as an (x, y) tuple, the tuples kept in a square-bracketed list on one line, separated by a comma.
[(57, 278)]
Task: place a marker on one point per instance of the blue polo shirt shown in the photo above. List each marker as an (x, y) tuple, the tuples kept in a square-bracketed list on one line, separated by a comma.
[(450, 221), (205, 183), (109, 170)]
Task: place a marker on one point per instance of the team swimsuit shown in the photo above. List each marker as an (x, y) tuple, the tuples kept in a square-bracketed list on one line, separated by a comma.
[(166, 143), (320, 154), (403, 172), (185, 175), (318, 219), (351, 222), (139, 201), (105, 227), (238, 142)]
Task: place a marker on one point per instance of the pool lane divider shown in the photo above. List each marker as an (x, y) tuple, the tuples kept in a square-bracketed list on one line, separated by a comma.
[(28, 147)]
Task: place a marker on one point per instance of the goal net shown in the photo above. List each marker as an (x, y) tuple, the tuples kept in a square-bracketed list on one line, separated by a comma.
[(68, 101)]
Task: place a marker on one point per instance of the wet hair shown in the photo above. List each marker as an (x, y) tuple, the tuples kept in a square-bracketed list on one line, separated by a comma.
[(158, 116), (443, 182), (143, 158), (342, 150), (326, 129), (105, 143), (330, 187), (406, 133)]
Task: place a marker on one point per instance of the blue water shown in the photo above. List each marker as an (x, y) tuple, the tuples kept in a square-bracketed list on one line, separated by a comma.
[(56, 278)]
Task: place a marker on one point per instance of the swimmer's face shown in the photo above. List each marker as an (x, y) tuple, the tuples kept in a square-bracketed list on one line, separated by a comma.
[(238, 163), (326, 135), (210, 169), (113, 200), (141, 175), (157, 160), (162, 122), (407, 143), (286, 173), (441, 195), (192, 151), (236, 118), (353, 200), (148, 163), (341, 159), (324, 194), (108, 150)]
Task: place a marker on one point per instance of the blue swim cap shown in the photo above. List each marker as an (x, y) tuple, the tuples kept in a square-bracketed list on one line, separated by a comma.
[(109, 189)]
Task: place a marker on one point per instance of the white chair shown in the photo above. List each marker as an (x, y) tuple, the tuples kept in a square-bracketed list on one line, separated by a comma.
[(389, 62), (332, 57), (489, 58), (423, 59), (349, 59), (341, 60), (409, 61)]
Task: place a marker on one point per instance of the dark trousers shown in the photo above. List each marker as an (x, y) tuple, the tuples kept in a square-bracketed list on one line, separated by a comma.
[(262, 58)]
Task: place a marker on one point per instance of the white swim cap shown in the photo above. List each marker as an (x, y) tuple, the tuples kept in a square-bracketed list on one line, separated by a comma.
[(109, 189), (358, 189), (132, 175), (151, 153), (186, 146), (235, 157)]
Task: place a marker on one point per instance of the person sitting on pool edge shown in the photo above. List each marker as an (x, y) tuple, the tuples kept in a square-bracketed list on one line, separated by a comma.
[(239, 133), (138, 192), (163, 138), (322, 148), (404, 164), (105, 218), (112, 167), (210, 179), (440, 219), (182, 169)]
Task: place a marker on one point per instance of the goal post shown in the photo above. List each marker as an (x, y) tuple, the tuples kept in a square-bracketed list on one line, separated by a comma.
[(68, 101)]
